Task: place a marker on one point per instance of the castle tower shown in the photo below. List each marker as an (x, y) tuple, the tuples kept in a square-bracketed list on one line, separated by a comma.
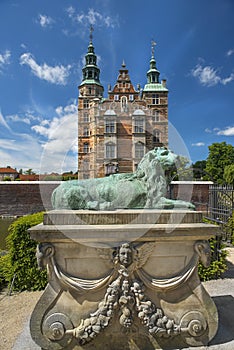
[(90, 93), (90, 86), (155, 94), (114, 133)]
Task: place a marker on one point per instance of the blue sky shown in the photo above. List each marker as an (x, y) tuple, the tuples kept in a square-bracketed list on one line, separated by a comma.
[(42, 48)]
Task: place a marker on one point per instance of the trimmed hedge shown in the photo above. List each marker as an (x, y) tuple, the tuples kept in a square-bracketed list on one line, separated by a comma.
[(20, 263)]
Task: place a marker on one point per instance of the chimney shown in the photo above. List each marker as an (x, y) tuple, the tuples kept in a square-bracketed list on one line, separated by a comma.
[(163, 82)]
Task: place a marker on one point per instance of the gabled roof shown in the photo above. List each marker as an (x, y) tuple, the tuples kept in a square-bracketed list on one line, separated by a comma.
[(8, 170)]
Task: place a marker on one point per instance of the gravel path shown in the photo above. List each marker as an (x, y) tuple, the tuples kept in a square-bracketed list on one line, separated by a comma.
[(14, 312)]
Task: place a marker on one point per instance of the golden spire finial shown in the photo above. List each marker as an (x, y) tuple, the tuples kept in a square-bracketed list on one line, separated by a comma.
[(153, 44), (91, 33)]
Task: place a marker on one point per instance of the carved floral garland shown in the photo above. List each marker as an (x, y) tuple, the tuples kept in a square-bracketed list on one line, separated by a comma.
[(125, 293)]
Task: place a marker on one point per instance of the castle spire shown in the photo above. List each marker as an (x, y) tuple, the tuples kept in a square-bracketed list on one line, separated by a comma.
[(91, 71), (153, 44), (91, 33), (153, 73)]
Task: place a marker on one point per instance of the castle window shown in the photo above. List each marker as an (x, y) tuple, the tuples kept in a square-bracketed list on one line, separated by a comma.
[(86, 117), (139, 125), (116, 97), (156, 136), (110, 169), (86, 103), (139, 150), (110, 150), (86, 165), (131, 97), (86, 147), (155, 99), (156, 116), (86, 131), (124, 103), (110, 126)]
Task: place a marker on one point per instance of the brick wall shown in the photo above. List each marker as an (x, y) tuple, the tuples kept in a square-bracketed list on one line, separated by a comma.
[(196, 192), (26, 197)]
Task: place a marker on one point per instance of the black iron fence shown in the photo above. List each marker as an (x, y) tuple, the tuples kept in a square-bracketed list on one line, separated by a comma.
[(220, 207)]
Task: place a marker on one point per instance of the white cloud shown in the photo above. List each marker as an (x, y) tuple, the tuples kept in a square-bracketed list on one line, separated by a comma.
[(228, 79), (5, 58), (60, 140), (198, 144), (26, 117), (55, 75), (22, 151), (228, 131), (51, 147), (230, 52), (209, 76), (17, 118), (92, 17), (45, 21), (206, 75), (3, 121)]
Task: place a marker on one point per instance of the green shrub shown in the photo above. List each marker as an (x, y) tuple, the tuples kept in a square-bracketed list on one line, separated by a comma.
[(230, 228), (3, 260), (217, 266), (21, 260)]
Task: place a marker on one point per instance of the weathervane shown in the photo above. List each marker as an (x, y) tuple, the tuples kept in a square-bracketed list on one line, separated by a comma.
[(91, 32), (153, 44)]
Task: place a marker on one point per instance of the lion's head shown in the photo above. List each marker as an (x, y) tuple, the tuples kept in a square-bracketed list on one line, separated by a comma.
[(158, 160)]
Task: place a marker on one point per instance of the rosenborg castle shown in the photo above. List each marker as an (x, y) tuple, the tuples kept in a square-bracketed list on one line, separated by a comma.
[(115, 132)]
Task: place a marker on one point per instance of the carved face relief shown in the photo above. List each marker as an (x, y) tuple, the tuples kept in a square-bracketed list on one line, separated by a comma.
[(204, 252), (125, 255)]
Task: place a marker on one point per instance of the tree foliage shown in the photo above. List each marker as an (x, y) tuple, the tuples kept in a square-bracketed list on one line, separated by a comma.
[(220, 155), (229, 174), (199, 169)]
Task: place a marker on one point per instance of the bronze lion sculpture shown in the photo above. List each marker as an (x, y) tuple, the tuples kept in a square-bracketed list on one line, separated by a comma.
[(145, 188)]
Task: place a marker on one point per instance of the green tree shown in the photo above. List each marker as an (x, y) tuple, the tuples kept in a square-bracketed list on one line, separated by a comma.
[(228, 174), (220, 155), (29, 172), (198, 169), (181, 171)]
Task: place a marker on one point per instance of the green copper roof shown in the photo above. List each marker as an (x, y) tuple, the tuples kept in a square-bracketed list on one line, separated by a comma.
[(90, 81), (154, 87)]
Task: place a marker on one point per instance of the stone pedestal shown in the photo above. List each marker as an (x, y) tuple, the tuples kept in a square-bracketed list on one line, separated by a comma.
[(124, 279)]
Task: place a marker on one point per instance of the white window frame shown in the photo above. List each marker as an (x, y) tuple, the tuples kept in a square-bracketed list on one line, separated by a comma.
[(86, 118), (155, 99), (86, 147), (139, 125), (86, 103), (156, 136), (156, 115), (110, 126), (110, 150), (139, 150)]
